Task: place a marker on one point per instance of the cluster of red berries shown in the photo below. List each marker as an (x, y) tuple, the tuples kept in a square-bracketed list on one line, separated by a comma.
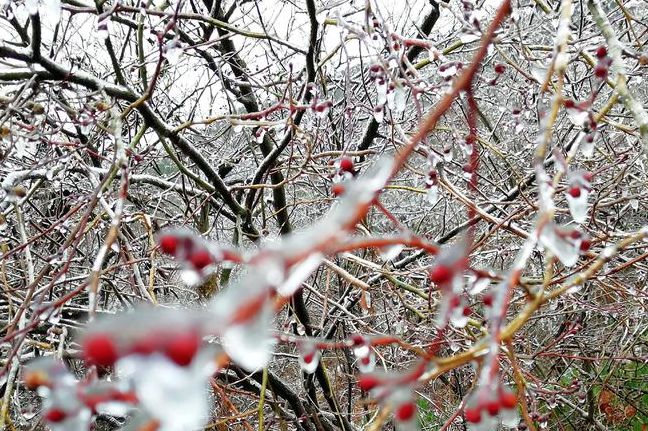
[(197, 256), (194, 252), (405, 409), (103, 349), (504, 400), (91, 401), (89, 394), (604, 62)]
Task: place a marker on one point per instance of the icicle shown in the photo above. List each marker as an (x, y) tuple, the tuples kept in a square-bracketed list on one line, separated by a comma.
[(379, 113), (447, 153), (390, 253), (432, 194), (556, 242), (477, 285), (259, 134), (459, 314), (391, 96), (103, 26), (173, 51), (32, 6), (51, 11), (587, 145), (510, 417), (381, 90), (400, 98)]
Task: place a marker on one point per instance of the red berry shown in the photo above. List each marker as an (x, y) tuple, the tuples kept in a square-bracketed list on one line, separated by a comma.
[(588, 176), (569, 103), (34, 379), (146, 345), (55, 415), (100, 350), (308, 357), (357, 340), (201, 259), (405, 412), (575, 192), (125, 397), (508, 400), (346, 164), (337, 189), (455, 301), (585, 245), (441, 274), (492, 407), (472, 415), (601, 52), (600, 71), (169, 244), (499, 68), (488, 300), (365, 360), (467, 311), (368, 382), (182, 348)]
